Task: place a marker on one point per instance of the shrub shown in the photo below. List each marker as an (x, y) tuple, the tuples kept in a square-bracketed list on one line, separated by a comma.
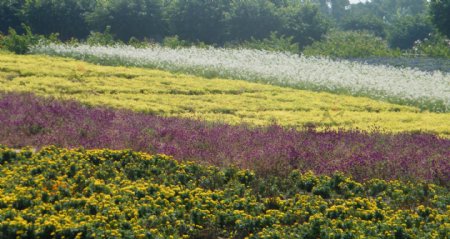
[(368, 23), (174, 42), (407, 30), (19, 44), (348, 44), (434, 46), (101, 38), (273, 43)]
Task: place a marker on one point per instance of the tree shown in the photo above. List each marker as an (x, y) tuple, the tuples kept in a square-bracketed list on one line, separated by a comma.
[(10, 14), (198, 20), (440, 15), (304, 22), (129, 18), (407, 30), (65, 17), (364, 22), (350, 44), (338, 8), (390, 10), (252, 18)]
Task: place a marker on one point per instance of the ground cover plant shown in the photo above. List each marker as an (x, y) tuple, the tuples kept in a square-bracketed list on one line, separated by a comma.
[(228, 101), (404, 86), (123, 194), (28, 120)]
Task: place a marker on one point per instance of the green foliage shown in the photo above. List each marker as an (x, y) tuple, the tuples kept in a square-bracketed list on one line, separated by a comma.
[(407, 30), (174, 42), (252, 19), (338, 8), (65, 17), (350, 44), (440, 15), (304, 22), (434, 46), (389, 10), (198, 20), (273, 43), (20, 44), (10, 14), (212, 22), (364, 22), (129, 18), (104, 38)]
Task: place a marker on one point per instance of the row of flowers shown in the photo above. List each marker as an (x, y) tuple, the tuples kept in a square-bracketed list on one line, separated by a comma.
[(407, 86), (78, 193), (30, 120)]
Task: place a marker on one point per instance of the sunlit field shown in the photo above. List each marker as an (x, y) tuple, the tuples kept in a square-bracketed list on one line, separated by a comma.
[(228, 101), (426, 90)]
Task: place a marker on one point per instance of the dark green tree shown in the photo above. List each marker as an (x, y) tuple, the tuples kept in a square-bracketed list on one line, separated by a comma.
[(252, 18), (304, 22), (390, 10), (364, 22), (65, 17), (408, 29), (198, 20), (440, 15), (338, 8), (10, 14), (129, 18)]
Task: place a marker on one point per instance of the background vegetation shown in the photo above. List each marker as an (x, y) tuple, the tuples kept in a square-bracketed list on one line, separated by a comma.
[(399, 24)]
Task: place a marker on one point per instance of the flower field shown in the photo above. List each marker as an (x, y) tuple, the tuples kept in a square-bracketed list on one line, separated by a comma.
[(123, 194), (426, 90), (252, 144), (31, 120), (228, 101)]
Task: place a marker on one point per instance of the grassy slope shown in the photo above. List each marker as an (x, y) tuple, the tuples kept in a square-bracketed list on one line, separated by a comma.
[(229, 101)]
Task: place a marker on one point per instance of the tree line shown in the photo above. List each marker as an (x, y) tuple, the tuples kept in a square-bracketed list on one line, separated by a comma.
[(401, 22)]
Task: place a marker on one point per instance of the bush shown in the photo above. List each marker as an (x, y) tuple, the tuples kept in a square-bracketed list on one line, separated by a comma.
[(435, 46), (407, 30), (273, 43), (19, 44), (369, 23), (101, 38), (174, 42), (350, 44)]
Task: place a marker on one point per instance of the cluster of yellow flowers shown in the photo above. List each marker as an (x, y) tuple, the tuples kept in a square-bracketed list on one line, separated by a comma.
[(230, 101), (77, 193)]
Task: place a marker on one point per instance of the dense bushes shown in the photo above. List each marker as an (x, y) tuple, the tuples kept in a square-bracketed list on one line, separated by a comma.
[(19, 44), (350, 44)]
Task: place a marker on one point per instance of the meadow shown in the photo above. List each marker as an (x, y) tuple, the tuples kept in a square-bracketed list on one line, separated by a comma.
[(82, 193), (426, 90), (228, 101)]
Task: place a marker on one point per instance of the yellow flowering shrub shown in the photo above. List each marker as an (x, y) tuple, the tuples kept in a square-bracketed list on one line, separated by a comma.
[(77, 193)]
